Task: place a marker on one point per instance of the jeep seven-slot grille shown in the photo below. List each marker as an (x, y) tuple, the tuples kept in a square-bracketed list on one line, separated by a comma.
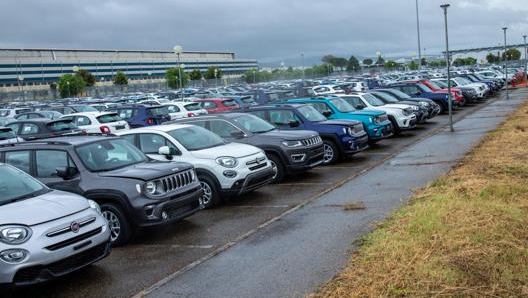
[(177, 181), (312, 141)]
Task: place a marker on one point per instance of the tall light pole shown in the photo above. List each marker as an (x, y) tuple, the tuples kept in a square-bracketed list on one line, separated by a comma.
[(178, 50), (418, 33), (449, 104), (525, 61), (302, 67), (505, 62)]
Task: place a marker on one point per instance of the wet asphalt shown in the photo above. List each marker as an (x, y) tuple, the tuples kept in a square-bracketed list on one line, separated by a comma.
[(295, 252)]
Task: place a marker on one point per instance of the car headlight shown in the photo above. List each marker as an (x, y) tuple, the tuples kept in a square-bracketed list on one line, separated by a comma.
[(151, 188), (14, 234), (95, 206), (349, 130), (407, 112), (227, 161), (424, 103), (292, 143)]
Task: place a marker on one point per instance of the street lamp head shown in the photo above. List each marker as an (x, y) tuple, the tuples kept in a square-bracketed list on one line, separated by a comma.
[(504, 28), (177, 49), (444, 6)]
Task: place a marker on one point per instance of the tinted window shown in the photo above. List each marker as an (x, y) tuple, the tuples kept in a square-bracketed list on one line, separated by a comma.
[(48, 160), (82, 120), (196, 138), (108, 118), (150, 143), (16, 184), (222, 128), (19, 159), (6, 133), (61, 125), (230, 103), (193, 106), (29, 128), (109, 154)]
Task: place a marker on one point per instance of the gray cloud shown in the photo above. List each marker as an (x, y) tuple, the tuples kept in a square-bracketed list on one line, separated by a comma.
[(267, 30)]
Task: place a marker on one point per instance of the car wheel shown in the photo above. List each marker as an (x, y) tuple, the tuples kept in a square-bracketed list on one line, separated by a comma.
[(210, 197), (278, 167), (120, 229), (396, 128), (331, 155)]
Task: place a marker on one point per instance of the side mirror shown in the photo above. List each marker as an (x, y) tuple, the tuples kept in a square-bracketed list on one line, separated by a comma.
[(167, 151), (66, 173), (237, 134), (294, 123), (327, 113), (359, 107), (418, 93)]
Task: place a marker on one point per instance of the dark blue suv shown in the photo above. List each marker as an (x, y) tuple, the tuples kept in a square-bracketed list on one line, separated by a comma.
[(340, 137), (415, 89), (139, 115)]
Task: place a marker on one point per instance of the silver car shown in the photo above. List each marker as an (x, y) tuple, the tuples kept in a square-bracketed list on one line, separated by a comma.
[(45, 233)]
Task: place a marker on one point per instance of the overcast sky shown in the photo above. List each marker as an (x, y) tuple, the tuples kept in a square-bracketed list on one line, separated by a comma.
[(267, 30)]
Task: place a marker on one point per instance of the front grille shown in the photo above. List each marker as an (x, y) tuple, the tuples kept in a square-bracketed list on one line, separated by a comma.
[(68, 229), (258, 166), (312, 141), (37, 273), (178, 180), (257, 161), (75, 239), (180, 212)]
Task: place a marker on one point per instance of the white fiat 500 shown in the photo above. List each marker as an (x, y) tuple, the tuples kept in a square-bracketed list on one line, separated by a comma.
[(98, 122), (45, 233)]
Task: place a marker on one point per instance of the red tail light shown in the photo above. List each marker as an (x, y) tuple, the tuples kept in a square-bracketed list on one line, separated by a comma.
[(104, 129), (150, 121), (190, 115)]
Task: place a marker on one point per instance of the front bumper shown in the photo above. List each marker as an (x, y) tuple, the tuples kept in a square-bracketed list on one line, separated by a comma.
[(251, 182), (313, 158)]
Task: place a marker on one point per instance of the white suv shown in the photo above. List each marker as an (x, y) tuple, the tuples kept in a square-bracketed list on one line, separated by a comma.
[(401, 115), (223, 168), (98, 122)]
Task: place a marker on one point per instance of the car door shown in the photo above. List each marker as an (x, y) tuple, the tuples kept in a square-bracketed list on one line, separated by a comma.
[(45, 169)]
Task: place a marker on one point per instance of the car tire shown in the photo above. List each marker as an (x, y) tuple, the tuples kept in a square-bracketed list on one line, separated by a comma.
[(331, 154), (120, 229), (278, 167), (211, 196), (395, 126)]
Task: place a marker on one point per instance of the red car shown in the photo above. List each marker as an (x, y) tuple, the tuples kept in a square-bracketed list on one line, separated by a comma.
[(218, 105), (456, 93)]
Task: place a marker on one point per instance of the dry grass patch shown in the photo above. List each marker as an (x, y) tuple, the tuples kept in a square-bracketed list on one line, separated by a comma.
[(465, 235)]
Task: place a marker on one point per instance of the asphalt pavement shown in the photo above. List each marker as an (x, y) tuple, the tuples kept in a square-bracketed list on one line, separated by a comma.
[(293, 254)]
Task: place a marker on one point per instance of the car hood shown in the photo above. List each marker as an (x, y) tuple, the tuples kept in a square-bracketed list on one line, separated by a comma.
[(339, 122), (233, 149), (52, 205), (367, 112), (148, 170), (400, 106), (290, 134)]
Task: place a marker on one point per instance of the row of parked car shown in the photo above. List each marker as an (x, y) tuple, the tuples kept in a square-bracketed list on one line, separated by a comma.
[(137, 166)]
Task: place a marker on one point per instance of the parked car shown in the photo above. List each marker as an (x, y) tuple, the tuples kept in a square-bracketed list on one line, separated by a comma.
[(289, 152), (191, 108), (11, 113), (65, 110), (340, 138), (40, 128), (38, 114), (224, 168), (433, 108), (481, 89), (132, 191), (8, 136), (420, 90), (376, 123), (419, 110), (217, 104), (400, 115), (46, 233), (98, 122), (139, 115), (325, 90)]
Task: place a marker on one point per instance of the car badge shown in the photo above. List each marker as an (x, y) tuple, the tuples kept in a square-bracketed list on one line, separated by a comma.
[(74, 227), (175, 169)]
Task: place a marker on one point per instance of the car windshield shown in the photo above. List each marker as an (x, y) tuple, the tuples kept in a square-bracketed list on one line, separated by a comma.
[(310, 113), (342, 105), (6, 133), (230, 103), (85, 109), (158, 111), (424, 88), (61, 125), (463, 81), (385, 97), (196, 138), (109, 154), (435, 85), (253, 123), (107, 118), (16, 185), (373, 100), (442, 84), (4, 113), (193, 106), (399, 94)]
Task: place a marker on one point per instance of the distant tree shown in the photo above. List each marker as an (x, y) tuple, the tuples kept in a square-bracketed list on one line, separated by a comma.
[(353, 64), (328, 59), (340, 62), (195, 75), (120, 78), (391, 65), (413, 65), (492, 58), (423, 62), (368, 61), (70, 85), (86, 76), (210, 73), (511, 55), (437, 63), (172, 75)]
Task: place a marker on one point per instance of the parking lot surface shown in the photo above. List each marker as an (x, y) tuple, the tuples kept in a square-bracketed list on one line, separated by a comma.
[(283, 240)]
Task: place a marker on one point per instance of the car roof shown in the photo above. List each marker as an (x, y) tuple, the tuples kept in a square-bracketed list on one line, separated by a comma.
[(90, 113), (163, 128), (40, 120), (72, 140)]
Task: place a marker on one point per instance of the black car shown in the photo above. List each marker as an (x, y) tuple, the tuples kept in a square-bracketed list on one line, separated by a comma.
[(132, 190), (433, 108), (290, 152), (340, 137), (419, 110), (40, 128)]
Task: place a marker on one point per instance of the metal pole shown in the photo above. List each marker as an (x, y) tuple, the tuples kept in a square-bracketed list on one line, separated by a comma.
[(449, 105), (506, 63), (525, 62), (180, 76), (302, 67), (418, 31)]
